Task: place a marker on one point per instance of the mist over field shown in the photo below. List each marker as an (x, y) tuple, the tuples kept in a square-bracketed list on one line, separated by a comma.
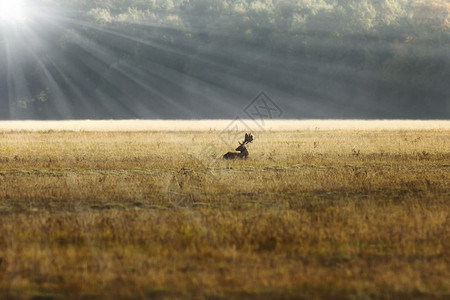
[(221, 125), (197, 59)]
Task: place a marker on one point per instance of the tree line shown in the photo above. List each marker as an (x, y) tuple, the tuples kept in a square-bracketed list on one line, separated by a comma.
[(208, 58)]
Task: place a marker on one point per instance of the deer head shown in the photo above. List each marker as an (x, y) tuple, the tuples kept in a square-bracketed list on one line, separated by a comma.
[(241, 147)]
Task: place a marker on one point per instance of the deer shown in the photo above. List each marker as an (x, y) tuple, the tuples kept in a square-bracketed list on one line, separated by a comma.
[(243, 152)]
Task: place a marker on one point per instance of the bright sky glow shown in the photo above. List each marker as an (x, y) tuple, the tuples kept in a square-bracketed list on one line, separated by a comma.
[(12, 11)]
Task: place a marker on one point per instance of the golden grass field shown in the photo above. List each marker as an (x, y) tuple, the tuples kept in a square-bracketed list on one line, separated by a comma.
[(314, 213)]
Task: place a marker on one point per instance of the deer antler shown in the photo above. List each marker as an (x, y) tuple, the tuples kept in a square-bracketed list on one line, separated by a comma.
[(248, 138)]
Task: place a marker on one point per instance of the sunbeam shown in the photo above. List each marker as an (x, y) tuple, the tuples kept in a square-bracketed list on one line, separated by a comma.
[(13, 11), (203, 59)]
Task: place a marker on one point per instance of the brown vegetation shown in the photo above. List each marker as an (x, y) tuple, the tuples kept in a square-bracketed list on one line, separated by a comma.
[(311, 214)]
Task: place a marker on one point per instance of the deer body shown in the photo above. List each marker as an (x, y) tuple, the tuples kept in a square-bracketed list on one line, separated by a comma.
[(243, 152)]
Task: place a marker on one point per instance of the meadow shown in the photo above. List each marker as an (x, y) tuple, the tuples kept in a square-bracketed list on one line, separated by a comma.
[(315, 212)]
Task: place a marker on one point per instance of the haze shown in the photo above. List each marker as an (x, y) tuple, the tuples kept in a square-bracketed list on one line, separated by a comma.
[(177, 59)]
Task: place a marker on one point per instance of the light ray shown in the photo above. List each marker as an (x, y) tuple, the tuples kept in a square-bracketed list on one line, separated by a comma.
[(13, 11)]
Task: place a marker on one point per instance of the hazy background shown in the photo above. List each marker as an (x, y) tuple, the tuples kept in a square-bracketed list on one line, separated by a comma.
[(170, 59)]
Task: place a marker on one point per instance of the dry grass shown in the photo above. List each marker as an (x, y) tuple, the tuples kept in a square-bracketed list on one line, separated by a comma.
[(311, 214)]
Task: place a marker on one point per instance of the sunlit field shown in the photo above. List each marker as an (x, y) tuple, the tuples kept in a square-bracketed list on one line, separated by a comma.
[(148, 209)]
